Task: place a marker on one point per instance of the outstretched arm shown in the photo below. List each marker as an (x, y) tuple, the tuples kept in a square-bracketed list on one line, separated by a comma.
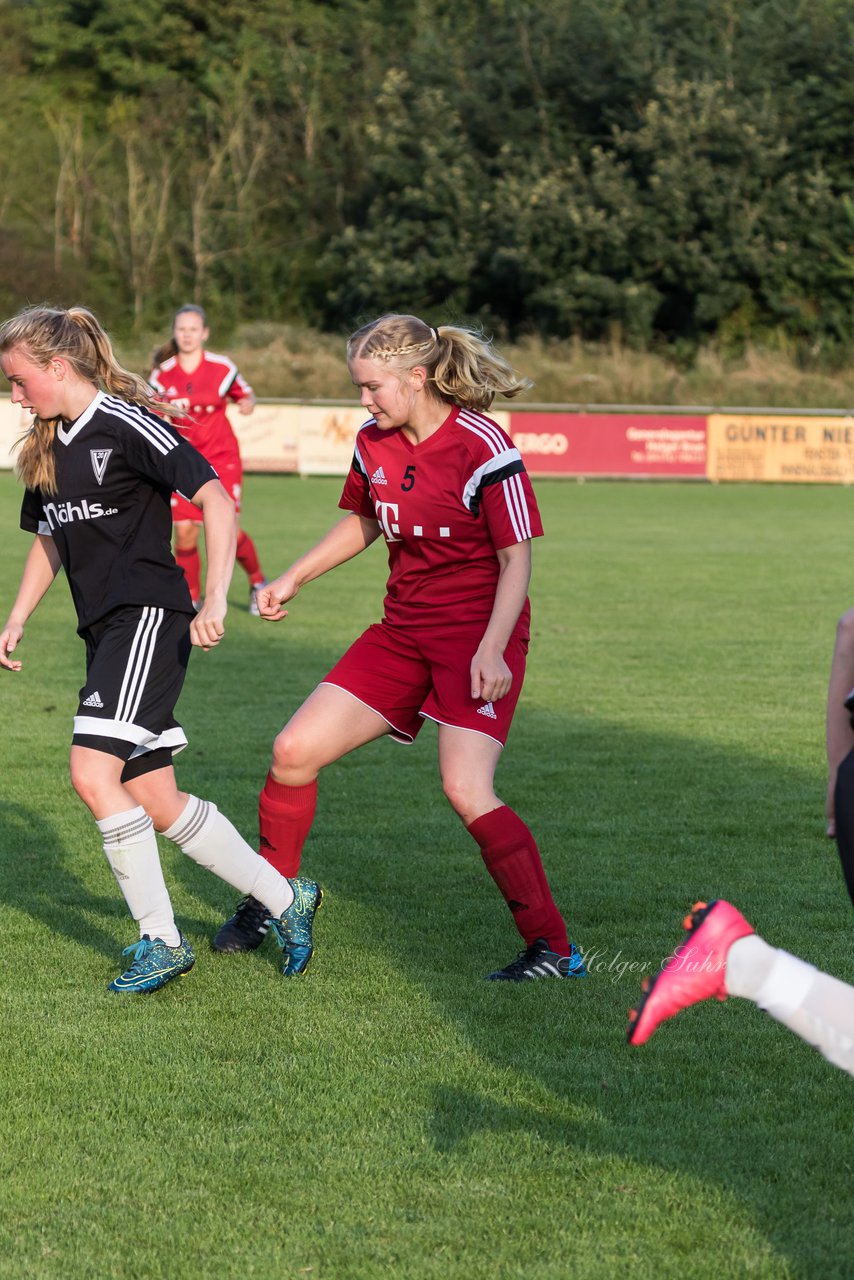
[(220, 524), (490, 674), (40, 569), (343, 541)]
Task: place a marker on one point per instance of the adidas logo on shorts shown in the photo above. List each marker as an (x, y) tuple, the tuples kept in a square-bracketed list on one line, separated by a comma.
[(94, 700), (379, 477), (486, 710)]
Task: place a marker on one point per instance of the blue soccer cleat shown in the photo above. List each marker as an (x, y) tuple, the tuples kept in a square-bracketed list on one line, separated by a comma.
[(154, 964), (293, 929), (539, 961)]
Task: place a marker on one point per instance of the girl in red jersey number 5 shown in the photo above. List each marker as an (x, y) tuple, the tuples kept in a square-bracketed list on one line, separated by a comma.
[(447, 489)]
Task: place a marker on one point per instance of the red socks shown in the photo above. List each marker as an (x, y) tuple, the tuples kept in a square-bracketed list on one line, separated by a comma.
[(513, 860), (189, 562), (508, 849), (285, 815), (247, 558)]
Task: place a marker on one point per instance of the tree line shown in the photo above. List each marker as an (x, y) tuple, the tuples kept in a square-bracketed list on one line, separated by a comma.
[(670, 171)]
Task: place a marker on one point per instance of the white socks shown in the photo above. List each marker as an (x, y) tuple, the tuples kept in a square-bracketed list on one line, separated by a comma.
[(131, 849), (207, 836), (817, 1007), (748, 963)]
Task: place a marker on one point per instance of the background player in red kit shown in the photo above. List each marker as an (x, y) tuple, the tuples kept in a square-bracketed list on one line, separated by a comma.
[(447, 489), (98, 467), (199, 384)]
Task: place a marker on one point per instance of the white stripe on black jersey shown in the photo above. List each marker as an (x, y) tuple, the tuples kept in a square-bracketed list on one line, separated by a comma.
[(110, 518), (153, 429)]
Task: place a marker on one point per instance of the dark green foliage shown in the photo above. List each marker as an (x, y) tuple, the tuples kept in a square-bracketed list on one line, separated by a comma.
[(667, 170)]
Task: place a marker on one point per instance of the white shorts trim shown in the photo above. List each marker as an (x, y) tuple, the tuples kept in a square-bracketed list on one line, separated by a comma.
[(144, 740), (396, 735), (463, 728)]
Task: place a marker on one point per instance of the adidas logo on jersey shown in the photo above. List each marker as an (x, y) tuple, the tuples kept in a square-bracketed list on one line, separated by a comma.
[(486, 710), (379, 477), (94, 700)]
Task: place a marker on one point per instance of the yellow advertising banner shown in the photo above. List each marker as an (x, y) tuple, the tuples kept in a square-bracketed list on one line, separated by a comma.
[(791, 448), (267, 437)]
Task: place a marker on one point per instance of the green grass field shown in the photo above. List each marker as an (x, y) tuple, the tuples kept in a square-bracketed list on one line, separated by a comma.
[(391, 1115)]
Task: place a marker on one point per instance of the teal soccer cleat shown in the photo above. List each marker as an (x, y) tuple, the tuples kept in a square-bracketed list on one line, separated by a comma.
[(154, 964), (293, 929)]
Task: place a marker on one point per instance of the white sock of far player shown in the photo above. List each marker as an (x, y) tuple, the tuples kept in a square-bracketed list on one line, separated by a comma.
[(207, 836), (816, 1006), (131, 848)]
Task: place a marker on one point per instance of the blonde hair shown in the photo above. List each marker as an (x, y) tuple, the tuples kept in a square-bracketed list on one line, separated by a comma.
[(43, 333), (462, 366)]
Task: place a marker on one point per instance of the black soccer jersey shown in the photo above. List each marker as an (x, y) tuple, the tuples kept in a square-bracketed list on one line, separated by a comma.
[(110, 518)]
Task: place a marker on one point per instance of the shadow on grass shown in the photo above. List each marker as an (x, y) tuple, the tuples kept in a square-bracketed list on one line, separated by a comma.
[(633, 827), (40, 879)]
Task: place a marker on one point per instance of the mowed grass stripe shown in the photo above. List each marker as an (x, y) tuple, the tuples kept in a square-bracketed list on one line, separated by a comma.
[(392, 1115)]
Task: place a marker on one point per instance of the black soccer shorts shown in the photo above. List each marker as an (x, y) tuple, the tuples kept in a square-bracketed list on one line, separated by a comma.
[(136, 661)]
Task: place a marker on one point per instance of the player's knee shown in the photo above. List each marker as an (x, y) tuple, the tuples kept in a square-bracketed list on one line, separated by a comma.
[(86, 781), (290, 752), (845, 629), (186, 537), (461, 795)]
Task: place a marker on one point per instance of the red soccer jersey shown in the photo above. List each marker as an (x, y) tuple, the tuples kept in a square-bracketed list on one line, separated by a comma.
[(201, 395), (445, 507)]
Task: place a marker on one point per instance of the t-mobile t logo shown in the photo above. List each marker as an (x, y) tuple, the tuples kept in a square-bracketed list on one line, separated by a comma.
[(388, 514)]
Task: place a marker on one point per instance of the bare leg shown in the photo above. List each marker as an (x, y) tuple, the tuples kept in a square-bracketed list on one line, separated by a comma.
[(467, 763), (328, 725), (159, 796), (839, 734)]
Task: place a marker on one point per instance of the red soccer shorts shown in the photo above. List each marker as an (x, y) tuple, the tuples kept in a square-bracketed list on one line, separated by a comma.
[(409, 674), (230, 473)]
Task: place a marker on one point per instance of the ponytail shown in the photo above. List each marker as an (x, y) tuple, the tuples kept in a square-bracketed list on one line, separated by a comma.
[(164, 352), (44, 333), (462, 366)]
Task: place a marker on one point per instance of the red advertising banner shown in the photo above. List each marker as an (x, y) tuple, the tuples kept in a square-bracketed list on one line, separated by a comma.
[(610, 444)]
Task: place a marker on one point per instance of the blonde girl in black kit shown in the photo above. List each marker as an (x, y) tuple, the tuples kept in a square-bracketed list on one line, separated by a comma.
[(99, 466)]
